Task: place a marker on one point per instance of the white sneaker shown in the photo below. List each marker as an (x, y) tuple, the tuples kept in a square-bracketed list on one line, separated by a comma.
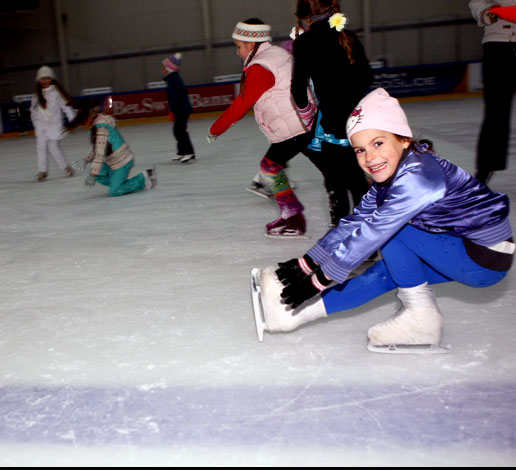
[(187, 159), (418, 322)]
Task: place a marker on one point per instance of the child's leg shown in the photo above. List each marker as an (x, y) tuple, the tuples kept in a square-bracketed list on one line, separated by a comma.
[(184, 144), (272, 169), (359, 290), (276, 180), (409, 254), (104, 176), (41, 149), (120, 185), (55, 150), (411, 258), (335, 166)]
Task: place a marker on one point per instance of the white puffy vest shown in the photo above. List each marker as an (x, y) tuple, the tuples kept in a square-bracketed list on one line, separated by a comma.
[(275, 111)]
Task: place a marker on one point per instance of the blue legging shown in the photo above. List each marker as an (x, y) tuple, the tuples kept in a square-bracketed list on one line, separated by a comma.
[(411, 258)]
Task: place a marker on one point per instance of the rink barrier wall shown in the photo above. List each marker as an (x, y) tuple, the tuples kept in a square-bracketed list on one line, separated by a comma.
[(414, 82)]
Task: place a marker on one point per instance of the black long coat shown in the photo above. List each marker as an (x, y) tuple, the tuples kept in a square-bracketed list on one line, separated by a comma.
[(339, 85)]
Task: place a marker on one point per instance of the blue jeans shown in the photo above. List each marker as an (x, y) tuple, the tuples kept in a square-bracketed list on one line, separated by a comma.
[(411, 258)]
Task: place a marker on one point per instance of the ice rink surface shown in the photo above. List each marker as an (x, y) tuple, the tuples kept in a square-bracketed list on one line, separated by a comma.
[(127, 336)]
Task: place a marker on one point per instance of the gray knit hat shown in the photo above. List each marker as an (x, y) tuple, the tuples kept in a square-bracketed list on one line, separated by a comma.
[(45, 71)]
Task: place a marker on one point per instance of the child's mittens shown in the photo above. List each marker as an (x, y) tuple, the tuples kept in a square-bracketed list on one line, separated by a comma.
[(308, 114), (90, 181), (79, 164)]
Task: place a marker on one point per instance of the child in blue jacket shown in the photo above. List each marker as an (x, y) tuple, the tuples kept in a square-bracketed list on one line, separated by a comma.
[(432, 221)]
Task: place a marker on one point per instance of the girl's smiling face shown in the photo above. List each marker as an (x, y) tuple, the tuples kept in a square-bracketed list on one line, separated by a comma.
[(378, 152)]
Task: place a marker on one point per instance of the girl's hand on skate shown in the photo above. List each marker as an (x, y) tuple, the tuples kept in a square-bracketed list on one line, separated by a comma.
[(90, 181), (304, 289), (295, 269)]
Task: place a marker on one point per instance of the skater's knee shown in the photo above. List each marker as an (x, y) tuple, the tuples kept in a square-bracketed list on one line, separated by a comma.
[(484, 278), (268, 166), (114, 192)]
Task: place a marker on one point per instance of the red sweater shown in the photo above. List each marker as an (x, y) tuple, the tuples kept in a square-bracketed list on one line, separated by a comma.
[(258, 80)]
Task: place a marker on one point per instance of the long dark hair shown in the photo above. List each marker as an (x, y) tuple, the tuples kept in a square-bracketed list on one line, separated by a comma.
[(84, 106), (251, 55), (41, 98), (308, 9)]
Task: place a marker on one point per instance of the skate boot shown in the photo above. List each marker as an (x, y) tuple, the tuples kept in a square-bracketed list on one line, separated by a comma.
[(177, 158), (293, 227), (187, 159), (41, 176), (270, 313), (69, 171), (415, 328), (259, 189), (151, 178)]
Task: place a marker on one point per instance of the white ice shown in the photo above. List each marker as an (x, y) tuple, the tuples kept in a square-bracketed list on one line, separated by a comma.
[(127, 335)]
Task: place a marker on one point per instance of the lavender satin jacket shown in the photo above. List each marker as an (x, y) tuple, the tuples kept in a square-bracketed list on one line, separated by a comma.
[(427, 192)]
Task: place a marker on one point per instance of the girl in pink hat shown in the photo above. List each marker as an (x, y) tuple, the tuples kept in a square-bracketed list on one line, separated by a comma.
[(432, 221)]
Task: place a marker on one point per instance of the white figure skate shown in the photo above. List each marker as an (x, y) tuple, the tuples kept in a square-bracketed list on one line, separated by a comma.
[(270, 314), (256, 293), (415, 329)]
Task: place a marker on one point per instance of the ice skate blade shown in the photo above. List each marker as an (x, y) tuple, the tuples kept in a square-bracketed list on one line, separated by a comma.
[(256, 293), (259, 193), (410, 349), (288, 236)]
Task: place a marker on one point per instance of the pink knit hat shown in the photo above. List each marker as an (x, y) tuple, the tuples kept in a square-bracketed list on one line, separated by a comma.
[(378, 110), (172, 63)]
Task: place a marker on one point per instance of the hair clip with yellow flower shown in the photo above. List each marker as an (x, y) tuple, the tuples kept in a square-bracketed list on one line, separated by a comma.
[(338, 21), (295, 32)]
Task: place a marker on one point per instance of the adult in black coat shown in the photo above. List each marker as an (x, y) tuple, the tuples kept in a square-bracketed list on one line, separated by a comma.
[(335, 62)]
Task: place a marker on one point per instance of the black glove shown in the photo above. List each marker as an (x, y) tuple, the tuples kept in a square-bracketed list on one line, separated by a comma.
[(295, 269), (303, 289)]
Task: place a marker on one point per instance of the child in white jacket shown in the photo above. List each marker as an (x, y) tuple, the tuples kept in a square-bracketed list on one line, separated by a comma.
[(49, 102)]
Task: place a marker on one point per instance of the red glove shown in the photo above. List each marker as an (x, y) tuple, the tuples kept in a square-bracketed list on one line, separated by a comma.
[(171, 116)]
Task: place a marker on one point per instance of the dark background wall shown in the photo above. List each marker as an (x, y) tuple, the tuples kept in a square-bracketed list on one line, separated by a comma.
[(120, 43)]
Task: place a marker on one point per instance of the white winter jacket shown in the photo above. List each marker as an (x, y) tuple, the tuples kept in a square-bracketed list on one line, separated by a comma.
[(48, 122), (499, 31)]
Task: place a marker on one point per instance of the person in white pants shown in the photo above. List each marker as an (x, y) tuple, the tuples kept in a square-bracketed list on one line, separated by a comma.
[(49, 102)]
